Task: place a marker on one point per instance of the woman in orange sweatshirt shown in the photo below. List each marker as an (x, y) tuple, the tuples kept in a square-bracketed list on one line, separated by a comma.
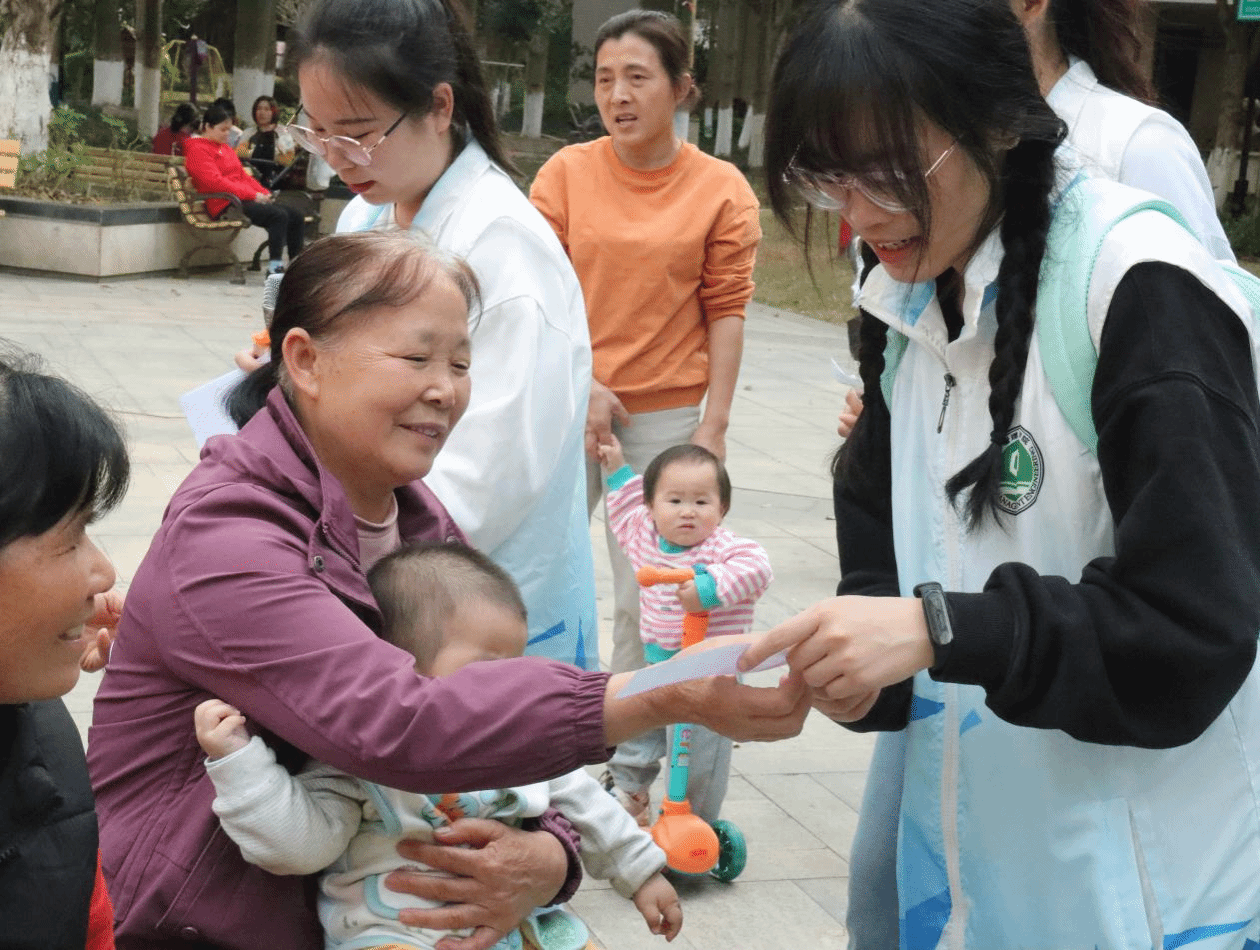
[(663, 238)]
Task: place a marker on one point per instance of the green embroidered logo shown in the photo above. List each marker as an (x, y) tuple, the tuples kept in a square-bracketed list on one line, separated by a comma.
[(1022, 471)]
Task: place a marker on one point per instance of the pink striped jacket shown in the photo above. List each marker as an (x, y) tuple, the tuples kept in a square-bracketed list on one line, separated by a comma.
[(740, 569)]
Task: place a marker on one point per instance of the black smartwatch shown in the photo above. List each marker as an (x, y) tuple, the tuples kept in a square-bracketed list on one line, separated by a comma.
[(936, 612)]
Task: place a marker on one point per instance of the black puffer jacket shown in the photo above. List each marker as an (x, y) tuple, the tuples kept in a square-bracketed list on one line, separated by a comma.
[(48, 835)]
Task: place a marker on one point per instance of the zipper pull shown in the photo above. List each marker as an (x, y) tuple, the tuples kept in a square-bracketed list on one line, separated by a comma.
[(949, 384)]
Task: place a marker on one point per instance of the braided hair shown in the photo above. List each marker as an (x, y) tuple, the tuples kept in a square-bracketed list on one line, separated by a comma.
[(850, 91)]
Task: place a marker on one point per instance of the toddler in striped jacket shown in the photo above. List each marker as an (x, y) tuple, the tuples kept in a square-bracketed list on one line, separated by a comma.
[(671, 517)]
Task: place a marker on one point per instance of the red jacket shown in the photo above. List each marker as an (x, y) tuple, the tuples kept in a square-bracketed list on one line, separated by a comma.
[(252, 592), (168, 143), (215, 167)]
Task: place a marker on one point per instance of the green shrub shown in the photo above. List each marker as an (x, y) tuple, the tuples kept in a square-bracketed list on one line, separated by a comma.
[(1244, 231)]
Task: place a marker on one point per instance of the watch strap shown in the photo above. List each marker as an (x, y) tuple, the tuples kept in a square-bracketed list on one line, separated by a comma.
[(936, 613)]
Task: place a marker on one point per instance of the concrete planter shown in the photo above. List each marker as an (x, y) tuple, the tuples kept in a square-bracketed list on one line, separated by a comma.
[(101, 240)]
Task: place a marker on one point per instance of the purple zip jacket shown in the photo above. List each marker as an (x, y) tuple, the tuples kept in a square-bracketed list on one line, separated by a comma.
[(251, 591)]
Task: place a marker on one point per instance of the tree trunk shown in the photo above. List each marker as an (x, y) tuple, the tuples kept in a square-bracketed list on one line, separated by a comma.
[(723, 55), (1222, 162), (254, 62), (535, 81), (107, 65), (750, 82), (26, 58), (148, 65), (1232, 78)]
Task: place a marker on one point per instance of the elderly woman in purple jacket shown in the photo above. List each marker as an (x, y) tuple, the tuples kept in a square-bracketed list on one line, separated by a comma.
[(254, 591)]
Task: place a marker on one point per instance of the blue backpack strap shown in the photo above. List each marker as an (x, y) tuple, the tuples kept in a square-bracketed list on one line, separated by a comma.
[(1077, 232), (894, 350)]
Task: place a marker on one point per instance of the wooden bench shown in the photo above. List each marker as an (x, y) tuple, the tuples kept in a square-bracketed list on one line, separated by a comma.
[(141, 174), (9, 150), (210, 233)]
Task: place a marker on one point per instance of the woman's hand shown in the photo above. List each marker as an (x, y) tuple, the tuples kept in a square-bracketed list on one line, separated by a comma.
[(100, 630), (849, 415), (848, 648), (501, 874), (712, 436), (721, 703), (604, 406), (845, 710)]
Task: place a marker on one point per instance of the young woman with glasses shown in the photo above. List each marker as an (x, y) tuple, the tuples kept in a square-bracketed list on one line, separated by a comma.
[(1085, 56), (398, 107), (1064, 635)]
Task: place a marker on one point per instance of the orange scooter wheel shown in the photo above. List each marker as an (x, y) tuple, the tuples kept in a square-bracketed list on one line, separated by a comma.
[(690, 845)]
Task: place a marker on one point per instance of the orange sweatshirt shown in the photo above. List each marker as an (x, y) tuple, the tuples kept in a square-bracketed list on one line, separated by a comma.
[(660, 255)]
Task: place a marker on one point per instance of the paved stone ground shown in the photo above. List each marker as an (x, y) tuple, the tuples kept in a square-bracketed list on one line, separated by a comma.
[(137, 345)]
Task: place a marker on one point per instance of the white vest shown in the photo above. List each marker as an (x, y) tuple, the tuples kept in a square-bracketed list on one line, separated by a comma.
[(1014, 837)]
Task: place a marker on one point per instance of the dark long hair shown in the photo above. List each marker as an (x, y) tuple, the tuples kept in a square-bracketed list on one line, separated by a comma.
[(334, 280), (1104, 34), (185, 116), (60, 453), (852, 83), (401, 50)]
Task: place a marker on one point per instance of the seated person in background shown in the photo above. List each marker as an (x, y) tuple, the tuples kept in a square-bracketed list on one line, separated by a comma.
[(170, 138), (228, 106), (267, 147), (213, 166), (448, 605)]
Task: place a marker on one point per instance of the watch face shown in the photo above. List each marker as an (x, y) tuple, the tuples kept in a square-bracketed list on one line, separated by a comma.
[(936, 613)]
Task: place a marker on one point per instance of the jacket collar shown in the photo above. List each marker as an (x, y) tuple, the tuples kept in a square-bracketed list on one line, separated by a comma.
[(1070, 94), (453, 187), (912, 309), (272, 449)]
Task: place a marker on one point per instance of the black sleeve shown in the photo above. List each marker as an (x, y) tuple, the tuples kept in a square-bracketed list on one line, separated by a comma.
[(868, 563), (1149, 646)]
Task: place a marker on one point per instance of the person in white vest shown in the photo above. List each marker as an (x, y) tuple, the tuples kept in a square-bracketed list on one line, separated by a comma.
[(1066, 633), (1085, 55)]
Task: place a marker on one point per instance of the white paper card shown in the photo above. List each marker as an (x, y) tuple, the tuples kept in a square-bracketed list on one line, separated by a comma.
[(205, 410), (717, 661), (842, 375)]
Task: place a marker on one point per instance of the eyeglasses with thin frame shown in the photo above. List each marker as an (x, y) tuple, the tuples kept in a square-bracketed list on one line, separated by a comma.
[(828, 191), (353, 150)]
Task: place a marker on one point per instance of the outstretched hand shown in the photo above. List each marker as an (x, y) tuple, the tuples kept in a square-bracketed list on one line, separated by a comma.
[(848, 648)]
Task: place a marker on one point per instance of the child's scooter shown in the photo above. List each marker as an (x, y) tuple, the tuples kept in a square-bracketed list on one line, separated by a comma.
[(690, 844)]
